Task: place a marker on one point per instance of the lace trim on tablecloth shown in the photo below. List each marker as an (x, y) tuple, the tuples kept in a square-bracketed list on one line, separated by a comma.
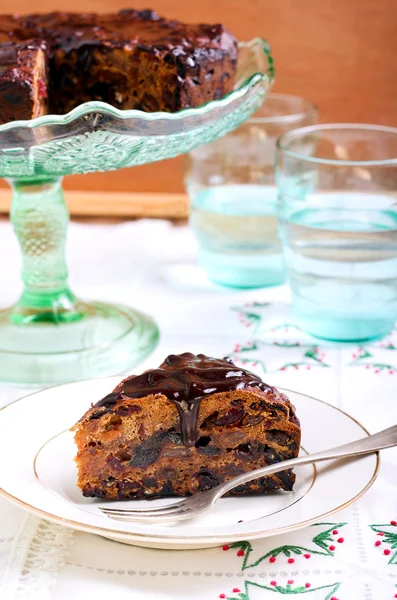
[(37, 555)]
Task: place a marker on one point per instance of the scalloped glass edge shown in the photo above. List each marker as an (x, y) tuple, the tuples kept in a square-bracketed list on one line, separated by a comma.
[(107, 109)]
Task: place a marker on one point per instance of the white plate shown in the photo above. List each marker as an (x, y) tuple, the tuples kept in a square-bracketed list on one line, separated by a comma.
[(38, 473)]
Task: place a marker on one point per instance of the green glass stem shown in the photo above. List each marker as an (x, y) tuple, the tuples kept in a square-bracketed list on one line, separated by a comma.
[(40, 218)]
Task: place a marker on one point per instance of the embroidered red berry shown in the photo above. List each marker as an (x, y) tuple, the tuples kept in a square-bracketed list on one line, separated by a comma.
[(393, 523), (306, 555), (236, 590), (395, 595), (332, 548), (240, 553), (225, 547), (333, 598), (340, 540), (307, 585), (222, 595), (380, 533), (290, 581), (272, 559), (335, 532), (387, 552), (291, 560), (273, 583)]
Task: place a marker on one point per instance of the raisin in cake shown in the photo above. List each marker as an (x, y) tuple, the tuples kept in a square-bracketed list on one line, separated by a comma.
[(130, 59), (185, 427)]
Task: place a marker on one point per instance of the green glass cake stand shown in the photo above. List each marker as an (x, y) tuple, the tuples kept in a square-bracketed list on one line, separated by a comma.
[(50, 336)]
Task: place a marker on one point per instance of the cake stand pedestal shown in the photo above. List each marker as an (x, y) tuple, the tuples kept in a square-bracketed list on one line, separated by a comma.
[(49, 336)]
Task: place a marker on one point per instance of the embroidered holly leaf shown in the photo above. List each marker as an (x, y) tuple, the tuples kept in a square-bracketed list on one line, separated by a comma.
[(325, 592), (285, 327), (251, 317), (241, 353), (251, 314), (382, 366), (298, 365), (320, 546), (251, 308), (314, 353), (389, 537), (252, 363), (389, 346), (258, 304), (361, 354), (324, 538), (247, 346), (378, 367)]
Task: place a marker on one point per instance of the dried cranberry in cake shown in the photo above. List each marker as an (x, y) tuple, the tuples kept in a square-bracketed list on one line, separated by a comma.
[(185, 427)]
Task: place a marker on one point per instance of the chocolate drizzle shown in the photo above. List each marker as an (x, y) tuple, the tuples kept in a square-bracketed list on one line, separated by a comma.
[(185, 379)]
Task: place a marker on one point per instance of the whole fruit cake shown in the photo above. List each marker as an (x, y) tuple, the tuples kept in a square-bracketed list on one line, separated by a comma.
[(131, 59), (185, 427)]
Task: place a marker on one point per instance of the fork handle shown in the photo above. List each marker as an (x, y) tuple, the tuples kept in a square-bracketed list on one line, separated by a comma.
[(372, 443)]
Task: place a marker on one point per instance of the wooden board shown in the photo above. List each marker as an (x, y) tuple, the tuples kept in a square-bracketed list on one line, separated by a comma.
[(117, 204), (341, 54)]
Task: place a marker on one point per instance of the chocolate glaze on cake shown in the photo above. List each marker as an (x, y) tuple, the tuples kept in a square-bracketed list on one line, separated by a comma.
[(185, 379)]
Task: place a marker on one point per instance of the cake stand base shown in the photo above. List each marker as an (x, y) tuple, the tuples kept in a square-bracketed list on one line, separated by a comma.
[(104, 340), (50, 336)]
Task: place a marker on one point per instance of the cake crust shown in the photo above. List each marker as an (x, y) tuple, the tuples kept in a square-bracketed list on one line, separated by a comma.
[(204, 421)]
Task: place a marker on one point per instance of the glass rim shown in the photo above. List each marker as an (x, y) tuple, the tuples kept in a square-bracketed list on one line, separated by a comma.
[(295, 133), (289, 118)]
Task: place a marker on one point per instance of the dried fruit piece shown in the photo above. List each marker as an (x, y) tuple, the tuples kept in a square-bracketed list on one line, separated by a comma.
[(251, 420), (232, 417)]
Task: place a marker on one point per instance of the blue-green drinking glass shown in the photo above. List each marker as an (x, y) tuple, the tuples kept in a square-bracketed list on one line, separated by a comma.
[(337, 212), (233, 196)]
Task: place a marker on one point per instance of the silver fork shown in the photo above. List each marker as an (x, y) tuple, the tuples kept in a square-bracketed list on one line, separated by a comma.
[(203, 501)]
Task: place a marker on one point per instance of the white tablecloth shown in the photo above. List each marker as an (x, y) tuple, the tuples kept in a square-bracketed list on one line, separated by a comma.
[(152, 265)]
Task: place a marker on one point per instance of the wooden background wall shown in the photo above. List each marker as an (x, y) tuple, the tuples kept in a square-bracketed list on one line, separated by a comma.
[(340, 53)]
